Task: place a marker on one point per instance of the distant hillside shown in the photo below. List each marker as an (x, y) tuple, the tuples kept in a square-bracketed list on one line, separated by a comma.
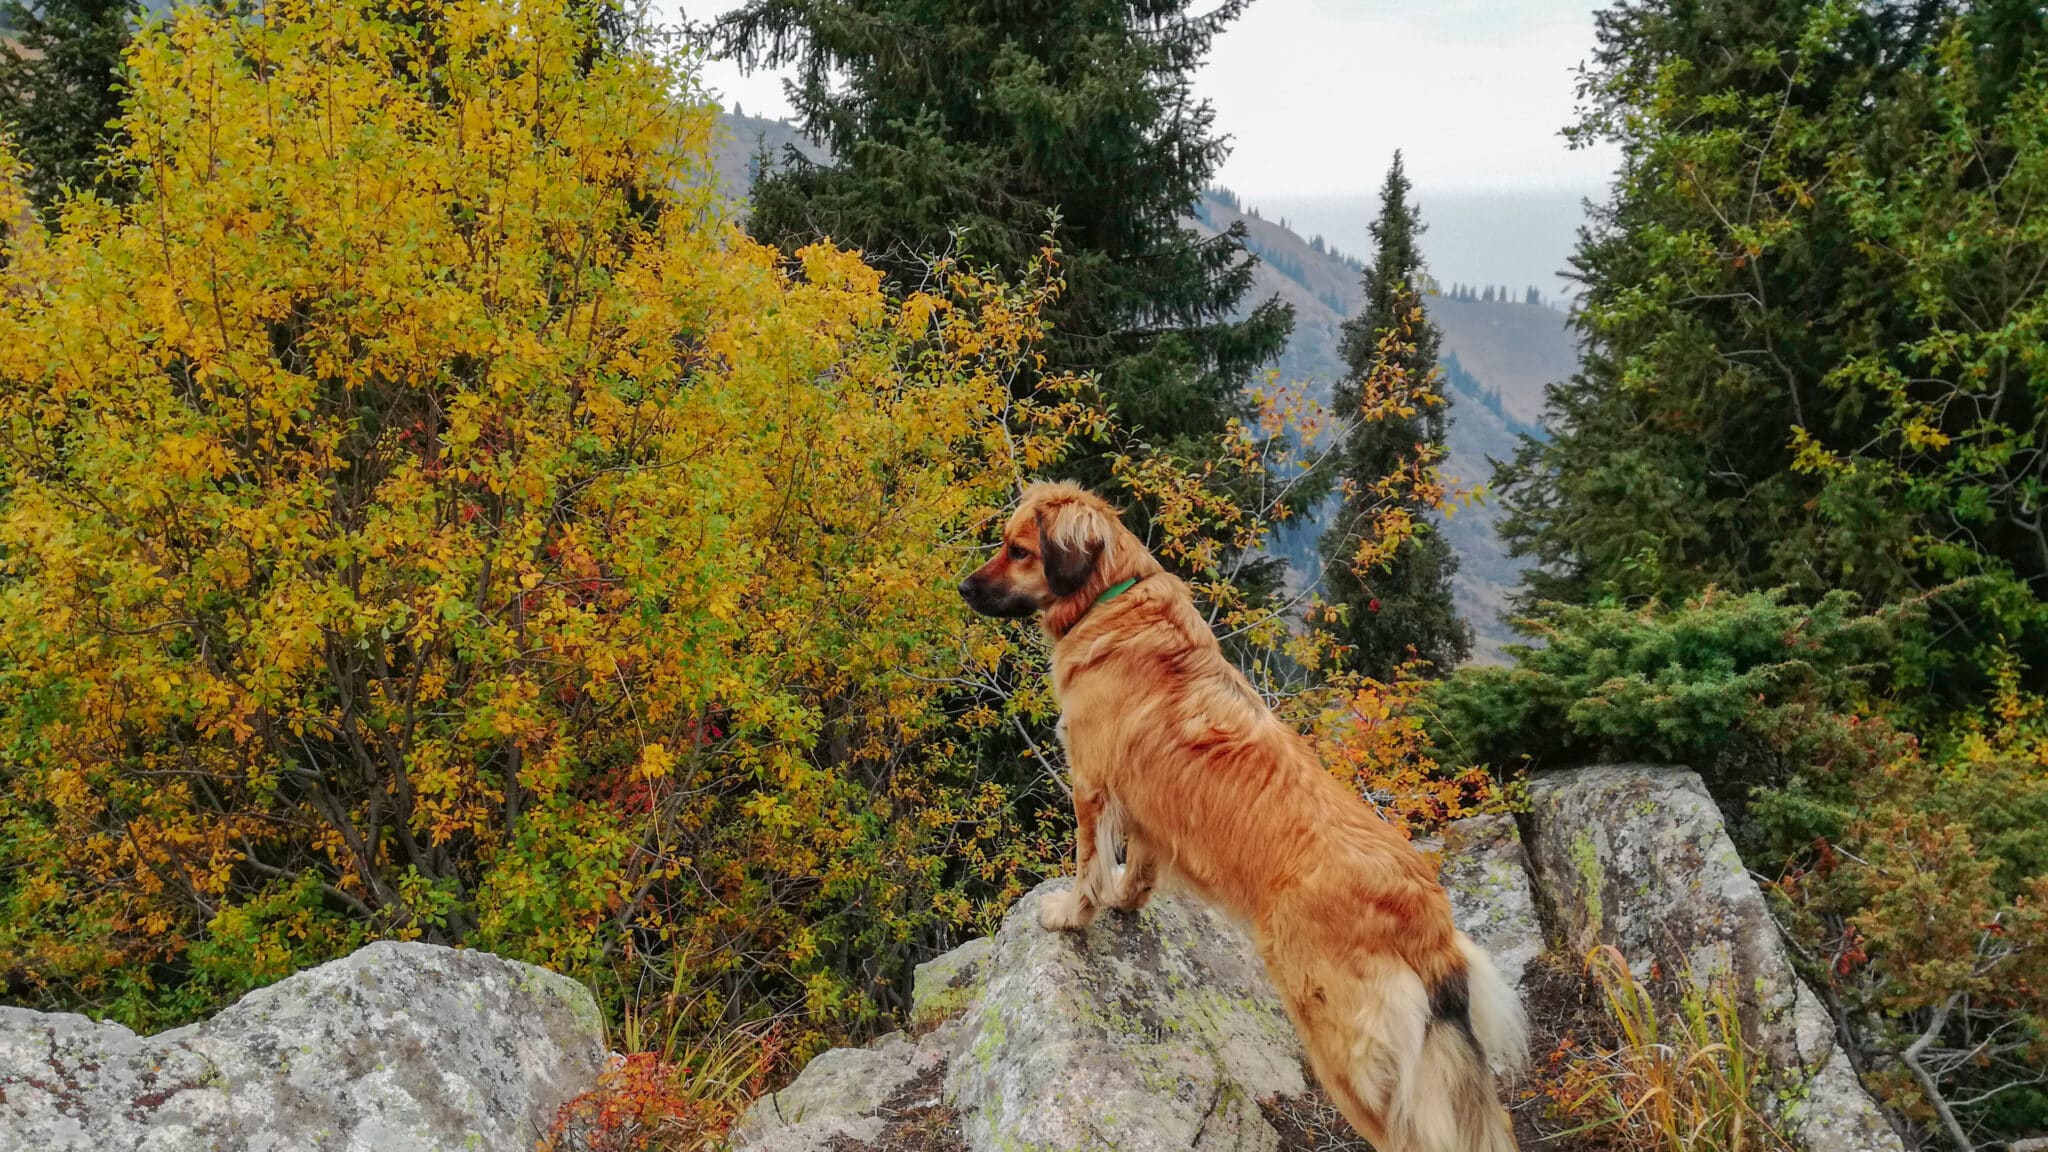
[(741, 138), (1515, 349), (1498, 356), (1507, 236)]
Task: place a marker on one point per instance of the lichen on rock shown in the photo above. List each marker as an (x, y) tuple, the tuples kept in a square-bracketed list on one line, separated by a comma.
[(943, 988), (1150, 1032), (1486, 874), (1637, 857)]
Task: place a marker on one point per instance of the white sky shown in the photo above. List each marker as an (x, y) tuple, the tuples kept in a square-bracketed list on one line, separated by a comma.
[(1317, 94)]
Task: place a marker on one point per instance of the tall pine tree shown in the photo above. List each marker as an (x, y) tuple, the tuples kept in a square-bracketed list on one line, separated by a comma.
[(1401, 608), (57, 90), (972, 128)]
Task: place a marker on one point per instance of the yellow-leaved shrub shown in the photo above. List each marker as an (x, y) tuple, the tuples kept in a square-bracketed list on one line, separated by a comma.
[(424, 515)]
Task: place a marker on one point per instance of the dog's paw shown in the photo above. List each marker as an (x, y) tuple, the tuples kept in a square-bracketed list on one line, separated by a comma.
[(1060, 912), (1134, 902)]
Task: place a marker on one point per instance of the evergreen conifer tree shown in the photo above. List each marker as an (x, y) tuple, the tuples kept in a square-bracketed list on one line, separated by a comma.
[(58, 92), (969, 128), (1403, 608), (1820, 419)]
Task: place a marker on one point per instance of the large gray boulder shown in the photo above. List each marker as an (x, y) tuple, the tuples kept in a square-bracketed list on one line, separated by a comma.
[(1154, 1032), (1150, 1031), (1637, 857), (396, 1048), (890, 1094), (1486, 874), (871, 1097)]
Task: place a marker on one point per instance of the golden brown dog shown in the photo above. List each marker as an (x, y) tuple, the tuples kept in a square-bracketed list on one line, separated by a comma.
[(1173, 752)]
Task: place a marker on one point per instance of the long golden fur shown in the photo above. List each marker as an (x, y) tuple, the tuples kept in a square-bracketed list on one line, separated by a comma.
[(1173, 751)]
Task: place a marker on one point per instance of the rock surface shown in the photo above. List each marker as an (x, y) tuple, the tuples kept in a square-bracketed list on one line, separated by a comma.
[(1154, 1032), (1151, 1031), (859, 1098), (1637, 857), (396, 1048), (1486, 874), (944, 988)]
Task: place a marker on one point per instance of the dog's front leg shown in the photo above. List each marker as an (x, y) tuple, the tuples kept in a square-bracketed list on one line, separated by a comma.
[(1075, 909), (1141, 873)]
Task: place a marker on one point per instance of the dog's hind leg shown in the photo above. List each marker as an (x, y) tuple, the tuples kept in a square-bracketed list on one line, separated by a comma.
[(1357, 1050), (1395, 1060)]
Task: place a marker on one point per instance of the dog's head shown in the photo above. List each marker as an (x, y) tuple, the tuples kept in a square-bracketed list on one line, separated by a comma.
[(1061, 545)]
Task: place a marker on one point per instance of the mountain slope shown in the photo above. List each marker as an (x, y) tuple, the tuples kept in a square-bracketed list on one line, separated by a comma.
[(741, 138), (1515, 349), (1498, 356)]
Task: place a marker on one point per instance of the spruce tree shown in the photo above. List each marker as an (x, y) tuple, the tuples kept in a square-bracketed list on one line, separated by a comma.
[(975, 129), (1820, 418), (1402, 609), (58, 94)]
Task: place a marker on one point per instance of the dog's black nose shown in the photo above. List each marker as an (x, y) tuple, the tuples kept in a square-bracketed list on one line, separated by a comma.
[(967, 588)]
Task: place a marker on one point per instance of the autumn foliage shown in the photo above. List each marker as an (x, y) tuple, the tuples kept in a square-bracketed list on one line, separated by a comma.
[(425, 516), (648, 1100)]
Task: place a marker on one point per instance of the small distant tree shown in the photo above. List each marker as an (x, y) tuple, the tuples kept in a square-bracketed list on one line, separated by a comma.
[(59, 91), (1395, 585)]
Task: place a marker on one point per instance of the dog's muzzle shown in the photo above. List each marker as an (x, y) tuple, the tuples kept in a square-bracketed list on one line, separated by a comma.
[(989, 601)]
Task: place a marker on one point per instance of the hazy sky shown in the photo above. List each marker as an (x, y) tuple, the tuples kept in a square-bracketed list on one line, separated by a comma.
[(1317, 94)]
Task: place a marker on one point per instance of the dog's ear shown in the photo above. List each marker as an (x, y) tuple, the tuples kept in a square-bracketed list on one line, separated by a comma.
[(1071, 540)]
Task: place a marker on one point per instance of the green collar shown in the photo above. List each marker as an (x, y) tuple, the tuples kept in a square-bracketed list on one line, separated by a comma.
[(1114, 591), (1109, 593)]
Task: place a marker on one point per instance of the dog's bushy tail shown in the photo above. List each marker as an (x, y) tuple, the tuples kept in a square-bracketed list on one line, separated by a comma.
[(1450, 1103), (1498, 1025)]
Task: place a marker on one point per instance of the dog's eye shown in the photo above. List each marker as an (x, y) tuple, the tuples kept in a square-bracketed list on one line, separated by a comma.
[(1018, 552)]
